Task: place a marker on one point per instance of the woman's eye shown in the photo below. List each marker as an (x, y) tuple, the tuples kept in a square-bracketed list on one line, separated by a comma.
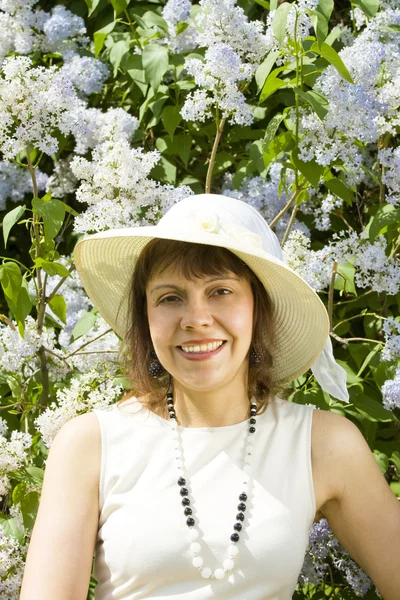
[(169, 300), (222, 292)]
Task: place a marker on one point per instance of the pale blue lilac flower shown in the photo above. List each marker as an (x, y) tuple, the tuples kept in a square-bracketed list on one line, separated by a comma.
[(62, 25), (16, 181), (88, 74), (390, 160), (391, 329), (391, 392), (177, 11)]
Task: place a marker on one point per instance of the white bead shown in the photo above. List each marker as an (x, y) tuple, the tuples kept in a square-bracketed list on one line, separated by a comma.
[(228, 564), (179, 463), (177, 453), (206, 572), (246, 469), (232, 550), (198, 562), (219, 573), (195, 548), (193, 534), (247, 460)]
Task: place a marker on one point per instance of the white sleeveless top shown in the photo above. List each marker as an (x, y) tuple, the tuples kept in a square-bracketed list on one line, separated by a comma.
[(142, 547)]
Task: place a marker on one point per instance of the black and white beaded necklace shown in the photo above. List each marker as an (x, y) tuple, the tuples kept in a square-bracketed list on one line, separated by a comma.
[(195, 547)]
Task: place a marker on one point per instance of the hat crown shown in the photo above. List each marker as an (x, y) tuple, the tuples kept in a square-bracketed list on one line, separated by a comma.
[(215, 208)]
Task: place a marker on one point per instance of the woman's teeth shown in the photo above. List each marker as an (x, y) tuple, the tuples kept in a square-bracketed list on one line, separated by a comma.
[(203, 347)]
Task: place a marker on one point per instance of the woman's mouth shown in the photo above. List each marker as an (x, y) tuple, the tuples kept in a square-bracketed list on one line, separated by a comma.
[(201, 351)]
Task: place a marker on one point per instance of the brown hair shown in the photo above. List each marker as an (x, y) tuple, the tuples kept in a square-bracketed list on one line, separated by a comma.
[(191, 261)]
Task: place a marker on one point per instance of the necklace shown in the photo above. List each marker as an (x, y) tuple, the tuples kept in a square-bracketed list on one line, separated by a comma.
[(195, 546)]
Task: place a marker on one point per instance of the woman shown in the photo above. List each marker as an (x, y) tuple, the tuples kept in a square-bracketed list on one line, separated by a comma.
[(206, 483)]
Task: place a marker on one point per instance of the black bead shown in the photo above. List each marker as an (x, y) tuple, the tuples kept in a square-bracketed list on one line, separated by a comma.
[(240, 517), (242, 506), (183, 491), (188, 511), (190, 522), (234, 537), (185, 501), (252, 429), (253, 421), (181, 481), (253, 413), (170, 403), (242, 496), (237, 527)]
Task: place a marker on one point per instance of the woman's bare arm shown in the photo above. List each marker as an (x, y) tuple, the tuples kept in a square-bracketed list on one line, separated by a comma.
[(61, 549), (361, 509)]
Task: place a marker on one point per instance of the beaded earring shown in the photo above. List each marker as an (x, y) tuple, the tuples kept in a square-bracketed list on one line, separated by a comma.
[(254, 358), (155, 368)]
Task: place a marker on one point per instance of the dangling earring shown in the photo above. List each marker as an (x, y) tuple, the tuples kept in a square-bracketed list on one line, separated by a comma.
[(254, 358), (155, 368)]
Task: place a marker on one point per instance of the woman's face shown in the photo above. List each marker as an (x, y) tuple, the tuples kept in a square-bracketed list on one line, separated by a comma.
[(201, 329)]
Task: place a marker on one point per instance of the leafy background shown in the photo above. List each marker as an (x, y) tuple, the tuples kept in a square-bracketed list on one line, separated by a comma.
[(112, 111)]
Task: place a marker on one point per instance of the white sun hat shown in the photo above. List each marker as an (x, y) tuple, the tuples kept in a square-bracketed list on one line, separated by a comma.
[(105, 262)]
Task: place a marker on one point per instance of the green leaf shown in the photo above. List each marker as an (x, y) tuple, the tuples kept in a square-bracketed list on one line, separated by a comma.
[(345, 279), (164, 171), (10, 219), (52, 268), (11, 529), (370, 408), (155, 63), (59, 307), (83, 325), (106, 25), (117, 52), (279, 21), (52, 212), (271, 130), (325, 7), (395, 459), (369, 7), (270, 86), (119, 6), (320, 24), (395, 487), (338, 188), (265, 68), (333, 58), (382, 460), (184, 143), (11, 282), (29, 506), (181, 27), (311, 170), (279, 144), (318, 102), (368, 359), (171, 117), (264, 4), (92, 5), (384, 217)]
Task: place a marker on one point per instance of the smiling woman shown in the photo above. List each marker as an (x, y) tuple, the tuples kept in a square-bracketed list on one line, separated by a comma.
[(157, 291)]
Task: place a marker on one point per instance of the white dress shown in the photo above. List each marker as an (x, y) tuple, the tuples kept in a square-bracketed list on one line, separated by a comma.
[(142, 548)]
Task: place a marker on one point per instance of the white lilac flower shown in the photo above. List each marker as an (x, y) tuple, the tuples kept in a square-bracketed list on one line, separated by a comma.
[(220, 75), (359, 112), (174, 13), (390, 160), (321, 206), (116, 187), (391, 329), (12, 565), (94, 389), (391, 392), (63, 31), (373, 269), (16, 181), (359, 18), (35, 102), (13, 456), (221, 21), (88, 74), (177, 11), (92, 127)]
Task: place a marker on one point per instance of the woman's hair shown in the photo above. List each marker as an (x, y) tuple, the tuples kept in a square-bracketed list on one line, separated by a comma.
[(191, 261)]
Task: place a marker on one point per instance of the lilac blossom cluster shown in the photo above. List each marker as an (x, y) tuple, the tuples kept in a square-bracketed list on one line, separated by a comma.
[(13, 454), (235, 47), (323, 546), (175, 13), (25, 29), (94, 389), (12, 564), (298, 27), (391, 392), (389, 158), (361, 111)]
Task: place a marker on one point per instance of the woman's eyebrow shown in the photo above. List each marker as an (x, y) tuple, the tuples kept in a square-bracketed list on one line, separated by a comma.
[(180, 289)]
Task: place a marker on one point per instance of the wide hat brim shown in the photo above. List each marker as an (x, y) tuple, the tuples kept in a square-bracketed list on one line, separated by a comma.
[(105, 263)]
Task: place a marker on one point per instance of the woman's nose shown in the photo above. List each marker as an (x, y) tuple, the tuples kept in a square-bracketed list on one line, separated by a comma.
[(196, 314)]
